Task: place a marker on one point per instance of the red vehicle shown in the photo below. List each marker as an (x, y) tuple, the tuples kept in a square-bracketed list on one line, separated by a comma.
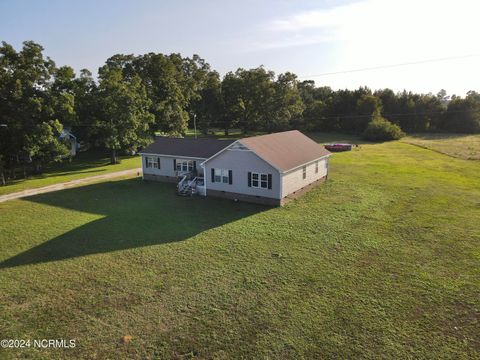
[(338, 147)]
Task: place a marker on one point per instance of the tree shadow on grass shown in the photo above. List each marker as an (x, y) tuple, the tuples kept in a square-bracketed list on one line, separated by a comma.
[(136, 214), (438, 136)]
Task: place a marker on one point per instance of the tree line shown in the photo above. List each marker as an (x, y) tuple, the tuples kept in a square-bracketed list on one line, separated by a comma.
[(136, 97)]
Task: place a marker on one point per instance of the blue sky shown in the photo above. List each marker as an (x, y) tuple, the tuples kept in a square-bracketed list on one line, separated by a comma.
[(305, 37)]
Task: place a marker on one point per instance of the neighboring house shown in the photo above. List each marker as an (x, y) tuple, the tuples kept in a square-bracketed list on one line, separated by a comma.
[(66, 135), (267, 169)]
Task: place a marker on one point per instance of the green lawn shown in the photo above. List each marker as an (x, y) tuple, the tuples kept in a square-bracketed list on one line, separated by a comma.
[(461, 146), (220, 134), (382, 261), (82, 166)]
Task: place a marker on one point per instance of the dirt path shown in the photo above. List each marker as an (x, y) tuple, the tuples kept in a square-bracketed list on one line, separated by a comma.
[(68, 184)]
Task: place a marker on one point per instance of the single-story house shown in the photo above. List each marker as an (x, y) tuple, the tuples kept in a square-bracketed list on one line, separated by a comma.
[(67, 136), (267, 169)]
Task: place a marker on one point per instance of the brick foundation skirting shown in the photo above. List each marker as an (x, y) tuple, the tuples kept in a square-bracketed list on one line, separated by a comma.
[(244, 197), (302, 191), (168, 179)]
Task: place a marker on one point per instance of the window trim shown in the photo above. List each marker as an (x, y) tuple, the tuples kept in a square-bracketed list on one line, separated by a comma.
[(222, 176), (257, 180), (184, 165), (260, 182), (152, 162)]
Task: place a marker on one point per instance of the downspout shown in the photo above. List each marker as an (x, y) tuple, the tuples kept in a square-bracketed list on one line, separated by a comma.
[(281, 184), (328, 167), (204, 178)]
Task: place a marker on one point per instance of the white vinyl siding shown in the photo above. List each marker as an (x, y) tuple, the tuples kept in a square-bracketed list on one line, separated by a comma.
[(168, 165), (241, 163), (294, 180)]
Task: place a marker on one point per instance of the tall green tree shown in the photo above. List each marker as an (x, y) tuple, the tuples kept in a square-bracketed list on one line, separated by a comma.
[(160, 75), (248, 95), (368, 107), (463, 114), (208, 107), (28, 108), (124, 117), (286, 105), (87, 108)]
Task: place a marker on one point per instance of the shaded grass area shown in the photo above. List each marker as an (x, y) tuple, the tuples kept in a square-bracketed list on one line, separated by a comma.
[(85, 164), (463, 146), (220, 134), (320, 137), (381, 261)]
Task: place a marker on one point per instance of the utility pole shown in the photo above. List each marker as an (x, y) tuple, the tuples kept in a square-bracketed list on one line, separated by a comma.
[(195, 124)]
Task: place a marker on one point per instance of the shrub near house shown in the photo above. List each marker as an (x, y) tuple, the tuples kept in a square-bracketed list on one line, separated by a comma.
[(380, 129)]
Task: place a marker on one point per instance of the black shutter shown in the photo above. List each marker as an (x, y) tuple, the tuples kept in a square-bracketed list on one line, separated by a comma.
[(194, 166), (158, 162), (230, 177), (269, 181), (213, 175), (174, 164), (146, 162), (249, 179)]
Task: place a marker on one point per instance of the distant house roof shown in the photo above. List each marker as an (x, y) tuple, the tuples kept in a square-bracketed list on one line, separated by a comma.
[(67, 133), (196, 148), (285, 150)]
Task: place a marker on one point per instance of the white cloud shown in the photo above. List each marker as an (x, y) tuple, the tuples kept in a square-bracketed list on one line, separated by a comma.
[(380, 32)]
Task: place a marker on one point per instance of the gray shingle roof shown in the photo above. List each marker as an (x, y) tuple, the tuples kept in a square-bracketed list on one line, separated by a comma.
[(198, 148)]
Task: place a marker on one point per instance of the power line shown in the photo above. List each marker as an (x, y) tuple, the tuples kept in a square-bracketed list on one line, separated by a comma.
[(345, 116), (393, 65)]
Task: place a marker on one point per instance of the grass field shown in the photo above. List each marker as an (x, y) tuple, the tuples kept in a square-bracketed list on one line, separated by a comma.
[(82, 166), (381, 261), (457, 145)]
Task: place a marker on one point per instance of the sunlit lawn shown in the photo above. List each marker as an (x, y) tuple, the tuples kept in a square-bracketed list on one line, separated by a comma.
[(457, 145), (83, 165), (381, 261)]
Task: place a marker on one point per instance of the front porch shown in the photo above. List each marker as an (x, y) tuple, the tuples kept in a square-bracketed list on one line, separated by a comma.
[(191, 183)]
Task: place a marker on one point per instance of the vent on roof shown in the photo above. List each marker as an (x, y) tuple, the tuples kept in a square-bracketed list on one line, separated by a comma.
[(238, 146)]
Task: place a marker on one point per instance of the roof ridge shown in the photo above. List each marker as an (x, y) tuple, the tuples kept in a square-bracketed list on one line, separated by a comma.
[(271, 134)]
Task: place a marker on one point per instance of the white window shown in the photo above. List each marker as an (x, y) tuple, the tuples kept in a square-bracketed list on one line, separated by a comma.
[(153, 162), (218, 175), (260, 180), (304, 172), (264, 181), (225, 176), (221, 175), (184, 165), (255, 178), (316, 167)]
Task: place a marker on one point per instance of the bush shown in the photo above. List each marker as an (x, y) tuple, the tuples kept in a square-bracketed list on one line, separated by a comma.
[(380, 129)]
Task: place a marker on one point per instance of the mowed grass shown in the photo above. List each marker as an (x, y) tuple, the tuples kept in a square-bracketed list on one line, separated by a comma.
[(83, 165), (457, 145), (381, 261)]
